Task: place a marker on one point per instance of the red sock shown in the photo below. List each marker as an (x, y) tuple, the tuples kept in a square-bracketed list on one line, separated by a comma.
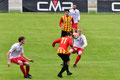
[(27, 69), (77, 59), (69, 54), (23, 70)]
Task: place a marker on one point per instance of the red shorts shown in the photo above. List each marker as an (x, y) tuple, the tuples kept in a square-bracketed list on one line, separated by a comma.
[(78, 49), (75, 25), (15, 60)]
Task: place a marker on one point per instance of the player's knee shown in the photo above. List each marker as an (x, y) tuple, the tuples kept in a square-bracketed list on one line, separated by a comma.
[(79, 53), (27, 64), (70, 51), (68, 63), (20, 62)]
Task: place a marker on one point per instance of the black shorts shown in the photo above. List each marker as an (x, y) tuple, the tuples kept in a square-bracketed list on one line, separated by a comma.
[(65, 33), (64, 57)]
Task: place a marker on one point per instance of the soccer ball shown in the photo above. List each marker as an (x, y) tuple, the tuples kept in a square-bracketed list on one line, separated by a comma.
[(76, 35)]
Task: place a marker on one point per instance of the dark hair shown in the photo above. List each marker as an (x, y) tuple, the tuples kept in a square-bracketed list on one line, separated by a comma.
[(69, 34), (21, 38), (66, 10)]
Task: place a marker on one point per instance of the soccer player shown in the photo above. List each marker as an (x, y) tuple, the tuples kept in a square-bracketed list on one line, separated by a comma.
[(79, 44), (14, 53), (64, 42), (75, 13), (67, 22)]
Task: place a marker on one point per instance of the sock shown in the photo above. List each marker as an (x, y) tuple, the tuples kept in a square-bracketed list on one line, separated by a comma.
[(23, 70), (69, 54), (27, 69), (77, 59)]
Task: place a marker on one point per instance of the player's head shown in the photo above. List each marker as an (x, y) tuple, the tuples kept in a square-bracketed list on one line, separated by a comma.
[(74, 6), (79, 31), (67, 12), (22, 40)]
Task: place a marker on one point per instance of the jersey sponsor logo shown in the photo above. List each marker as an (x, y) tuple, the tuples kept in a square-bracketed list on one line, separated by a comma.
[(68, 21), (55, 5)]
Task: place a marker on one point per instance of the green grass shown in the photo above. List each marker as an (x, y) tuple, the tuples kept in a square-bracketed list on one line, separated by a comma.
[(100, 60)]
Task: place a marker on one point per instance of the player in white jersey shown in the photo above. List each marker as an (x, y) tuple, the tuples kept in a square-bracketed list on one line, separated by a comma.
[(75, 13), (16, 55), (79, 43)]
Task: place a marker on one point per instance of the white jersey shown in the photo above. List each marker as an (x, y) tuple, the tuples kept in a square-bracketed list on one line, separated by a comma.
[(15, 50), (80, 41), (75, 14)]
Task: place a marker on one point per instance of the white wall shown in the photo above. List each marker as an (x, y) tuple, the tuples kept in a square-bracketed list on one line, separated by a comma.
[(92, 3), (15, 4)]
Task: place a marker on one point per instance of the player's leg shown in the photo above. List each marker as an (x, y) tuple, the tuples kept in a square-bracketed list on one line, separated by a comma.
[(69, 53), (22, 67), (64, 58), (63, 68), (27, 68), (67, 65), (76, 27), (78, 58)]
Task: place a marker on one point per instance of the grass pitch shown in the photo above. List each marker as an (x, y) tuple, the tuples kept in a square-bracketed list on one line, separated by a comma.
[(100, 60)]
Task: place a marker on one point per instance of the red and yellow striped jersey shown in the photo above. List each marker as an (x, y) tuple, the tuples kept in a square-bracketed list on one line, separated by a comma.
[(64, 43), (67, 23)]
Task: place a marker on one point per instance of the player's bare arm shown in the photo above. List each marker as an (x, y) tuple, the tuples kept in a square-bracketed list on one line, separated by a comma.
[(60, 23), (30, 60), (8, 54)]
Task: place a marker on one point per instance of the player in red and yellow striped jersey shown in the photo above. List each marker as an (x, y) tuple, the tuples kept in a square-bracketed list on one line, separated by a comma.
[(63, 52), (67, 22)]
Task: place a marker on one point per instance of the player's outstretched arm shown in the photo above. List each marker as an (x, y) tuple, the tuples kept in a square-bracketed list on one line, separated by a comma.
[(8, 54), (30, 60), (56, 41)]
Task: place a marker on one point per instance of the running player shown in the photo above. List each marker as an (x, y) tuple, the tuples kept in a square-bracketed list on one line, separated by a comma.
[(79, 43), (64, 42), (75, 13), (13, 55), (67, 22)]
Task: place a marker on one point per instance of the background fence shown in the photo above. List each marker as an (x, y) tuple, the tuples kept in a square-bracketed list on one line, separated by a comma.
[(17, 4)]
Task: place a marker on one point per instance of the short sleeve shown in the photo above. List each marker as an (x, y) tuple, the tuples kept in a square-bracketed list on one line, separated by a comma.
[(12, 48)]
